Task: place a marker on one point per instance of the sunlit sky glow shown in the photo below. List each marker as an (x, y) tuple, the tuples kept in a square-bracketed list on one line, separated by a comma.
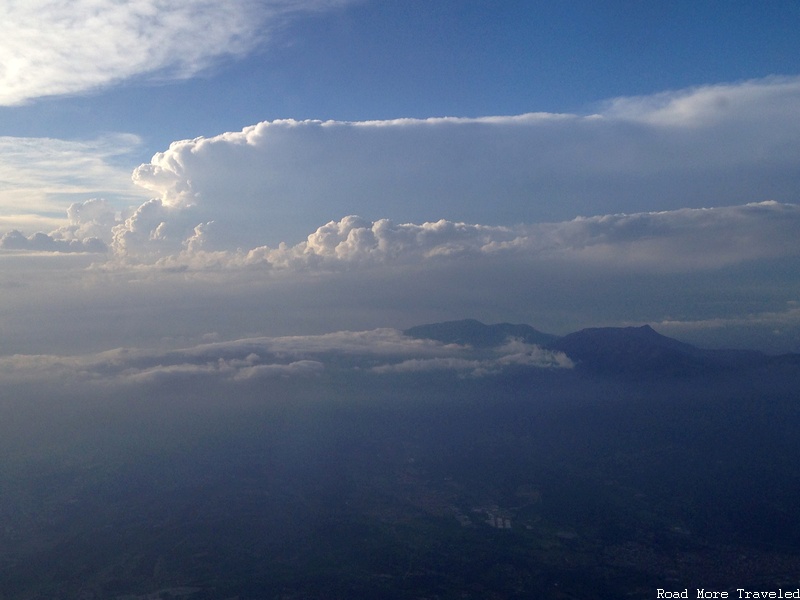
[(172, 173)]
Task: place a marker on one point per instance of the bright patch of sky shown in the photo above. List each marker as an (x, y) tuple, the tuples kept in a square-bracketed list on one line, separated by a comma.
[(170, 171)]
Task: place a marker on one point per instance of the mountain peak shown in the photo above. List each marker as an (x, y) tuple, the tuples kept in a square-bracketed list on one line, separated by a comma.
[(631, 349)]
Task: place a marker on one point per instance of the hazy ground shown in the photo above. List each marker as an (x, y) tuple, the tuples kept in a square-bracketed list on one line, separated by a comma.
[(392, 486)]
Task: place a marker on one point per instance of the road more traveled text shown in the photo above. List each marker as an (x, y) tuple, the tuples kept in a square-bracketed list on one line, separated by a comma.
[(739, 593)]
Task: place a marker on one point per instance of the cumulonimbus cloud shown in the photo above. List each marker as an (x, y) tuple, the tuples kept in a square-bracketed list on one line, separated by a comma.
[(51, 47), (271, 182), (275, 182)]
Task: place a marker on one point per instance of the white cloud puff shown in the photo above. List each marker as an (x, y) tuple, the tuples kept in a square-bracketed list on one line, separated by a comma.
[(88, 229), (52, 47)]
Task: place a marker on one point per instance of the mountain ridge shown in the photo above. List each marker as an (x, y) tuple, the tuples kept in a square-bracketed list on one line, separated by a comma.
[(604, 349)]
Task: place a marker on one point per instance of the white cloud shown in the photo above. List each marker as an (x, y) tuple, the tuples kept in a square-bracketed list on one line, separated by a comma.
[(515, 353), (382, 342), (51, 47), (750, 102), (41, 242), (89, 228), (276, 181), (272, 182), (684, 240)]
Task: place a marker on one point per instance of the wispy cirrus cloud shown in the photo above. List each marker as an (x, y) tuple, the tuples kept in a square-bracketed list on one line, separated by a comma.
[(773, 330), (41, 177), (752, 103), (51, 47)]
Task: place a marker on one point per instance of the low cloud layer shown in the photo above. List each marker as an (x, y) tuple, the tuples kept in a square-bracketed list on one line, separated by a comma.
[(683, 240), (723, 264), (53, 47), (41, 242), (378, 351)]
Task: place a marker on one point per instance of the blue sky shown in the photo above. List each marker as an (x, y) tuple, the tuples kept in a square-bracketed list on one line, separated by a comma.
[(173, 173), (387, 59)]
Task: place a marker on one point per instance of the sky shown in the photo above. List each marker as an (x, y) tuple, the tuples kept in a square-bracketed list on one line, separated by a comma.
[(177, 178)]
